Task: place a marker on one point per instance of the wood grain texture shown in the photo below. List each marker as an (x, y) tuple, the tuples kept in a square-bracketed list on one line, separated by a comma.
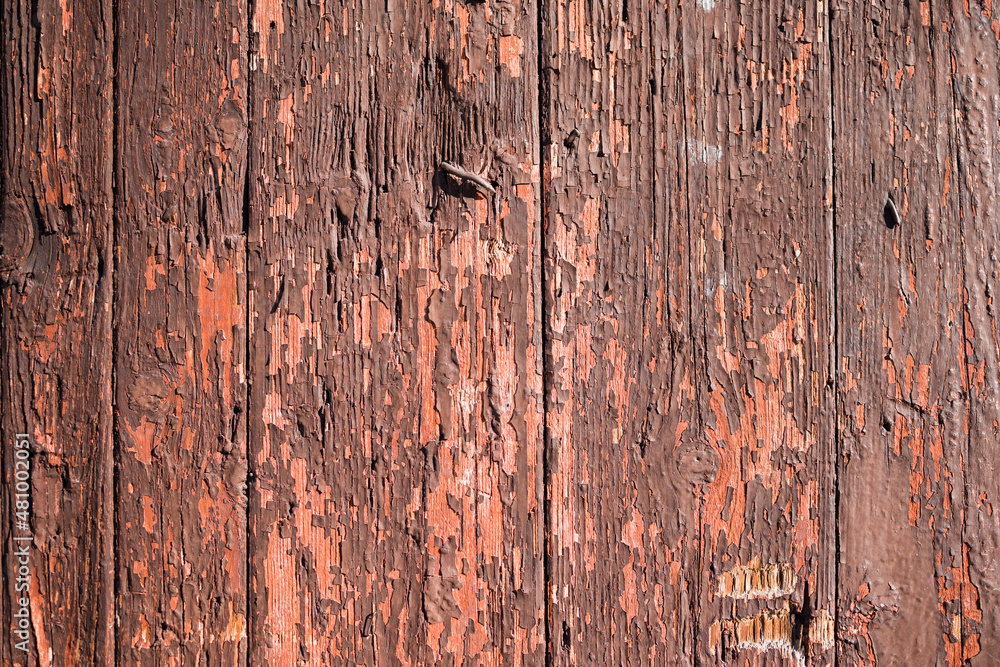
[(396, 403), (55, 336), (759, 183), (902, 415), (918, 539), (180, 332), (969, 581), (690, 283), (622, 482), (628, 332)]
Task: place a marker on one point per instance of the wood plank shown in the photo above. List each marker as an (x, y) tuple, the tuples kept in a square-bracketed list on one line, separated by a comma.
[(55, 345), (970, 590), (623, 471), (757, 124), (690, 414), (915, 533), (396, 405), (180, 332)]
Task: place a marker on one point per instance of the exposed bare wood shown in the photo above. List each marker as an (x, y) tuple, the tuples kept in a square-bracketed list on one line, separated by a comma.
[(396, 406), (623, 469), (180, 333), (459, 332), (55, 333), (759, 181)]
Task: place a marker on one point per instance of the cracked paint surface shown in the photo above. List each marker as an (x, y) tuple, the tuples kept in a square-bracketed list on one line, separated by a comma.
[(709, 380), (397, 514)]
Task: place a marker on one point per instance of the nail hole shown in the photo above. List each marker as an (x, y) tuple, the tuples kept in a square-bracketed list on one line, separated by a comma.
[(890, 214)]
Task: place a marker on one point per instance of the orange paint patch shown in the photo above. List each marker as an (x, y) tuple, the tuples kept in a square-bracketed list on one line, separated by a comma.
[(511, 52)]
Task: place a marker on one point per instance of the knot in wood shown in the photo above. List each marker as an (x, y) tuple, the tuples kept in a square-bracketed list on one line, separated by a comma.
[(17, 234), (230, 126), (147, 393), (698, 464)]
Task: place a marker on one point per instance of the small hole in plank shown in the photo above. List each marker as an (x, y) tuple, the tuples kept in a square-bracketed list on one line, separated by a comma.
[(890, 214)]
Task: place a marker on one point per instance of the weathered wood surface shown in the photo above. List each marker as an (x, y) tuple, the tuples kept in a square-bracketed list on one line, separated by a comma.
[(757, 125), (685, 389), (902, 420), (690, 283), (623, 512), (180, 333), (56, 272), (395, 370), (915, 114), (969, 582)]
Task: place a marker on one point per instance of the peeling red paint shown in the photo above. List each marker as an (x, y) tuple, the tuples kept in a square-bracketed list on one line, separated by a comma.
[(707, 379)]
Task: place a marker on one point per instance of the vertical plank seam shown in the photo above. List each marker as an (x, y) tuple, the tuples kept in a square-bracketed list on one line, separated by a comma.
[(834, 363), (686, 153), (966, 379), (250, 606), (115, 439), (544, 139)]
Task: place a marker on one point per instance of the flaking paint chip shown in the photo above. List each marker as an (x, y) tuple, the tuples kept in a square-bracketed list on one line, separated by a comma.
[(755, 580)]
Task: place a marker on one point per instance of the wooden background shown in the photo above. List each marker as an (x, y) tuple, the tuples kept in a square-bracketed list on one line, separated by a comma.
[(687, 390)]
